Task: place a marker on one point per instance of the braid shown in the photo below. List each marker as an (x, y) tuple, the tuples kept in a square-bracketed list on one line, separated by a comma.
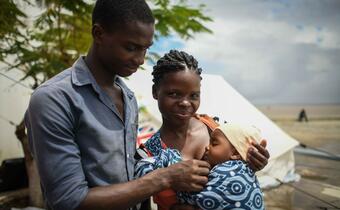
[(174, 61)]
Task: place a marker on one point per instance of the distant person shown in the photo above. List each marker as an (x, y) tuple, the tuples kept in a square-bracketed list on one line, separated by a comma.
[(303, 116), (231, 182)]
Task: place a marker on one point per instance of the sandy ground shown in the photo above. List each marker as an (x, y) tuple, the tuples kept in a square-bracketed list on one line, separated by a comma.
[(319, 187), (322, 134)]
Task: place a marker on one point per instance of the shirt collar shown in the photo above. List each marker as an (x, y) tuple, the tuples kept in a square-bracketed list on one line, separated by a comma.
[(81, 75), (122, 84)]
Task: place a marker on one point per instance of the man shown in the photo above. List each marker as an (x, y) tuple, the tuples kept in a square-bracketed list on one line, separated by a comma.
[(82, 123)]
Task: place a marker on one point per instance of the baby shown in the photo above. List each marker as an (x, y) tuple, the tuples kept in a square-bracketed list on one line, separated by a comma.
[(232, 184)]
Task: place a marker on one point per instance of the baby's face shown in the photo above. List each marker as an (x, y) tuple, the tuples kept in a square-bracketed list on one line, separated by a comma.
[(219, 149)]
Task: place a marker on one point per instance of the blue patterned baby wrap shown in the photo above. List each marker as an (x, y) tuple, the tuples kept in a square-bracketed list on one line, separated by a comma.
[(231, 185)]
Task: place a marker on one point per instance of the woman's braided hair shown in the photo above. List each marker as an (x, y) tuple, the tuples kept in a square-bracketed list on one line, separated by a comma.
[(174, 61)]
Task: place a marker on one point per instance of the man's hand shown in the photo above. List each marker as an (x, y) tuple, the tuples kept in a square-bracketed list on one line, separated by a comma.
[(258, 158), (189, 176)]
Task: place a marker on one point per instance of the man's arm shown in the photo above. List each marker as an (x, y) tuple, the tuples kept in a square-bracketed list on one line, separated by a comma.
[(185, 176), (50, 126)]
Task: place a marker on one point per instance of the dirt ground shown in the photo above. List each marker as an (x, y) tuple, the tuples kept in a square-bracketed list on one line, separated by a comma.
[(319, 187), (322, 134)]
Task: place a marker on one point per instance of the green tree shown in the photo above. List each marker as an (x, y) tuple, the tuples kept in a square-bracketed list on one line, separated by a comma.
[(49, 42)]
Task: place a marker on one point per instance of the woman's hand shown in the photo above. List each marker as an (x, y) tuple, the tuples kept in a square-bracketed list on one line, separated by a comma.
[(258, 158)]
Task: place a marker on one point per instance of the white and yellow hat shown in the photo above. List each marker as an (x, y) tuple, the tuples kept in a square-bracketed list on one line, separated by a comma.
[(240, 136)]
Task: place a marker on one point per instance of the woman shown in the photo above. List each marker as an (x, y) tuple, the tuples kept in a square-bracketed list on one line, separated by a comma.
[(176, 87)]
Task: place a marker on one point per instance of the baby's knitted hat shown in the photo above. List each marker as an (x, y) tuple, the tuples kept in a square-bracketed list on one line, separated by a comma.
[(240, 136)]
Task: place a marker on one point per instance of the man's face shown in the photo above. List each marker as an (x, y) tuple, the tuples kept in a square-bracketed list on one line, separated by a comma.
[(219, 149), (122, 50)]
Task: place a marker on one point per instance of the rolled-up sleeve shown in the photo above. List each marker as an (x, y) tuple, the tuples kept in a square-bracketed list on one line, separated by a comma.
[(51, 129)]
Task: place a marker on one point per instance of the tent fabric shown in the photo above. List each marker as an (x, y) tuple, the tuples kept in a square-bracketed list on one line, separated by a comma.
[(229, 106)]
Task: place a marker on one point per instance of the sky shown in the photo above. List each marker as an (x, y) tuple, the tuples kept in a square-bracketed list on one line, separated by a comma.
[(271, 51)]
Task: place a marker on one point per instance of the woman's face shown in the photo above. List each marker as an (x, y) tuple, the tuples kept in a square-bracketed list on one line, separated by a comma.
[(178, 95)]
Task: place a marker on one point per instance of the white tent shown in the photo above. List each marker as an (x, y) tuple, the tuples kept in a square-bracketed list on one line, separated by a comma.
[(218, 98), (14, 101)]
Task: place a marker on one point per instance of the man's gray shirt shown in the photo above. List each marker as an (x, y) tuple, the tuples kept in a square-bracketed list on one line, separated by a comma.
[(77, 136)]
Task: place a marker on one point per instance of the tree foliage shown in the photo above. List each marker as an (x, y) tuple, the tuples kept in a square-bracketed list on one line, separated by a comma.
[(10, 22), (53, 39)]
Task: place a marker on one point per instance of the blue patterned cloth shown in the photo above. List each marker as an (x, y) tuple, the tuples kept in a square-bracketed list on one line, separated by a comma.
[(154, 144), (165, 158), (231, 185)]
